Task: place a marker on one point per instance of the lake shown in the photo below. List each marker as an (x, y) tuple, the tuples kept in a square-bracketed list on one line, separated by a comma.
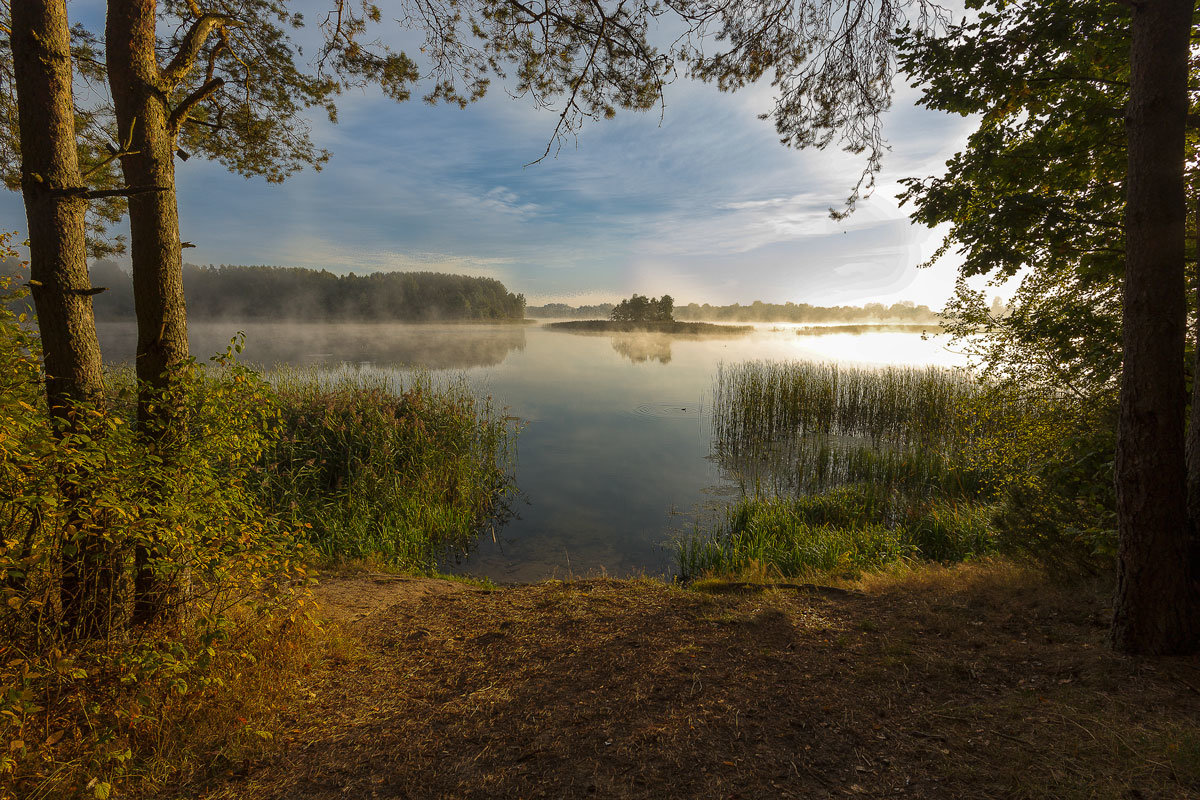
[(614, 449)]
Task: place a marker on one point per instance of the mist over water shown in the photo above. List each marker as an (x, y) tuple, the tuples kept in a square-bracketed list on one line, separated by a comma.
[(274, 344), (615, 443)]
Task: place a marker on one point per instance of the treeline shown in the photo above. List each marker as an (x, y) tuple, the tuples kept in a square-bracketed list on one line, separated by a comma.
[(291, 293), (564, 311), (758, 311)]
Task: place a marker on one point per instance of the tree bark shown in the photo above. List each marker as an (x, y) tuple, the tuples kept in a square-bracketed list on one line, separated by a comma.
[(140, 97), (1193, 435), (52, 187), (1156, 604)]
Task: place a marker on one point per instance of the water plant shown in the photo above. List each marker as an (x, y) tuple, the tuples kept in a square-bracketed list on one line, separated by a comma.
[(846, 530), (845, 468), (376, 468)]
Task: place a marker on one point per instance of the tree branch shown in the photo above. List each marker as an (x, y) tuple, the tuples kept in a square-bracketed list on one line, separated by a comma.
[(96, 194), (180, 114), (189, 49)]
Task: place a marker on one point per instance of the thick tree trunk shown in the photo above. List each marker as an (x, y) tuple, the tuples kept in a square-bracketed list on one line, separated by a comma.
[(1193, 435), (143, 118), (1156, 605), (54, 206)]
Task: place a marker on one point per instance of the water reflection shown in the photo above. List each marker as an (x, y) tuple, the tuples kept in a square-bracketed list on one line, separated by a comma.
[(434, 346), (614, 454), (640, 348)]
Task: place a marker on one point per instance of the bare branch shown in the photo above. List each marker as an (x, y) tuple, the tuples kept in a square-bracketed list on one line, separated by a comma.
[(189, 50)]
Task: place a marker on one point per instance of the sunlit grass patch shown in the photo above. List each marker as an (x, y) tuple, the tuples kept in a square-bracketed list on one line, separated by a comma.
[(844, 531)]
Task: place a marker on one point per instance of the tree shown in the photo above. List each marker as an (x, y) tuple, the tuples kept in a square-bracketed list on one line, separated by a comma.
[(1048, 184), (1157, 608), (226, 82), (56, 202), (153, 102), (644, 309), (1037, 191)]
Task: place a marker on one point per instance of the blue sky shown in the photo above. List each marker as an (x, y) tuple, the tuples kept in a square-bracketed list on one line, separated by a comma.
[(704, 203)]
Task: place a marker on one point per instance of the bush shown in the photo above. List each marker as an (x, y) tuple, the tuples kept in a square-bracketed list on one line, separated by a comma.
[(81, 716)]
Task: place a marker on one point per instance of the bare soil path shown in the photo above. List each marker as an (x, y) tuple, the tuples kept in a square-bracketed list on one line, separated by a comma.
[(977, 682)]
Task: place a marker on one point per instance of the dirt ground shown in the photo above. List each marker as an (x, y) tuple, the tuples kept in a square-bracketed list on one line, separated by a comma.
[(976, 682)]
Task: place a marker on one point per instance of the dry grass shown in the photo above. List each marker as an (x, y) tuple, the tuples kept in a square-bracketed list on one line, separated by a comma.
[(968, 682)]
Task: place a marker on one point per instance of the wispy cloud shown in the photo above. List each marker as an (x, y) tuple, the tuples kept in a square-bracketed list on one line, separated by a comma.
[(704, 203)]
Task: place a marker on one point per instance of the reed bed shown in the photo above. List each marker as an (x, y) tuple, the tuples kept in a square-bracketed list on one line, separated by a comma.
[(801, 427), (845, 468), (406, 473), (761, 403)]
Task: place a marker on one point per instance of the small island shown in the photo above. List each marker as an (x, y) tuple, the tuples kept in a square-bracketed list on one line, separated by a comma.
[(640, 314)]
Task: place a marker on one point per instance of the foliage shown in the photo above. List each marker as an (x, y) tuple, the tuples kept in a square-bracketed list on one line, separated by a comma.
[(1038, 191), (564, 311), (1038, 195), (644, 309), (79, 718), (407, 474)]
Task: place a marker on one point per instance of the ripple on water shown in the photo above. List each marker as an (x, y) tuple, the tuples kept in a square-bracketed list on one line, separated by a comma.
[(668, 410)]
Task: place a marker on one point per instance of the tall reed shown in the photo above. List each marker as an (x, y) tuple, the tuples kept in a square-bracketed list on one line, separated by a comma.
[(844, 467), (802, 427), (379, 469)]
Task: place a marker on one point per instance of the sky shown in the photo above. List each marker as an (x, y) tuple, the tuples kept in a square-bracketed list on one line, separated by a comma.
[(700, 201)]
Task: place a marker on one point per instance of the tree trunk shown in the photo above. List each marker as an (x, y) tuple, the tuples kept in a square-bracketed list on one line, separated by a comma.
[(55, 207), (143, 118), (1193, 435), (1156, 604)]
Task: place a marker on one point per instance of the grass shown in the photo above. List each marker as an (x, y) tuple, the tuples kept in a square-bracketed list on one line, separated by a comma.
[(850, 530), (763, 404), (850, 469), (398, 473)]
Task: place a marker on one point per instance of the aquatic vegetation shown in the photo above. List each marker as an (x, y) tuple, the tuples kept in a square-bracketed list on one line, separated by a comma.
[(808, 427), (846, 530), (375, 469), (851, 468)]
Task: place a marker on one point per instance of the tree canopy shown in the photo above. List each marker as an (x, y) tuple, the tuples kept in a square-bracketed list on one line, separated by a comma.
[(644, 309)]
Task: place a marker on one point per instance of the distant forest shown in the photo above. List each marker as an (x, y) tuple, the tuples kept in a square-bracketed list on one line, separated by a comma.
[(758, 311), (289, 293)]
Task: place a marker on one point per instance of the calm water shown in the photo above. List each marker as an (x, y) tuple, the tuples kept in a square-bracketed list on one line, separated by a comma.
[(613, 455)]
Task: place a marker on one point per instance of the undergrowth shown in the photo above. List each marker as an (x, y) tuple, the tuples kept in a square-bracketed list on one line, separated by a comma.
[(97, 701)]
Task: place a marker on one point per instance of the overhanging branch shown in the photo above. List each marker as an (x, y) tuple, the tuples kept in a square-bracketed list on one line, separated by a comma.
[(180, 114), (189, 50), (96, 194)]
